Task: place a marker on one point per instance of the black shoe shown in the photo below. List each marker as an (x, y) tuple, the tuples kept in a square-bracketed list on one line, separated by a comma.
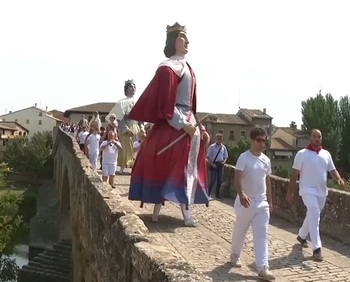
[(317, 256), (303, 242)]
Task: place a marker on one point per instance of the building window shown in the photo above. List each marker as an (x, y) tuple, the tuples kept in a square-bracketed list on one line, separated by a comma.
[(40, 114), (221, 131), (89, 118), (27, 121), (242, 133), (20, 133), (232, 135), (40, 122), (103, 119)]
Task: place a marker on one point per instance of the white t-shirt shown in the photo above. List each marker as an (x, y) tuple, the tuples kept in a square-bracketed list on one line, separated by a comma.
[(255, 169), (313, 169), (82, 136), (110, 153), (93, 140)]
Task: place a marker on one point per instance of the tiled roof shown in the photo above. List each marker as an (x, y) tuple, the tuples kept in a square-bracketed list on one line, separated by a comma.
[(255, 113), (6, 127), (59, 115), (222, 118), (279, 144), (12, 125), (291, 131), (102, 108)]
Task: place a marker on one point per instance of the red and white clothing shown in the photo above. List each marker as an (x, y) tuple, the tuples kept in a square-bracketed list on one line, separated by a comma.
[(178, 174), (313, 166)]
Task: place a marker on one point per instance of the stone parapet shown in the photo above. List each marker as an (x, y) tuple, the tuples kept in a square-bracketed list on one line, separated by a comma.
[(335, 218), (109, 241)]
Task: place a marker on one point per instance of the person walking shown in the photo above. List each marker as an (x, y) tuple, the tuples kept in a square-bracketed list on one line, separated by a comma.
[(312, 164), (217, 156), (253, 203)]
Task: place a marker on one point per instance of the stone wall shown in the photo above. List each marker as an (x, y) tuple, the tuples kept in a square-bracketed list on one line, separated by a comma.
[(109, 241), (335, 218)]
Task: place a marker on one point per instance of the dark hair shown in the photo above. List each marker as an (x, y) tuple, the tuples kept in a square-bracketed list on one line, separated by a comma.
[(126, 86), (102, 128), (169, 49), (257, 131)]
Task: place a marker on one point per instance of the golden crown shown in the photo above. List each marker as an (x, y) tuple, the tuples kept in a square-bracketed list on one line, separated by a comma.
[(175, 27)]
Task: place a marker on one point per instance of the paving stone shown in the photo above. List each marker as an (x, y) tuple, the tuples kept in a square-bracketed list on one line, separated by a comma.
[(207, 247)]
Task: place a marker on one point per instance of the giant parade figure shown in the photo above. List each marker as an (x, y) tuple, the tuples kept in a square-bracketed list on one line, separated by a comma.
[(170, 165), (128, 129)]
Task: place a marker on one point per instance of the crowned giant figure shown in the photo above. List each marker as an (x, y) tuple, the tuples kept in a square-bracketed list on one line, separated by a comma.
[(128, 129), (170, 165)]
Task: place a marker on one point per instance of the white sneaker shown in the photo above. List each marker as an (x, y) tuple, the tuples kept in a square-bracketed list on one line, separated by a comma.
[(190, 222), (266, 274), (236, 261)]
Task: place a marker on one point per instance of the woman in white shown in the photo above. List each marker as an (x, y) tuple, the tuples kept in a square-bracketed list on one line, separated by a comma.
[(110, 148), (92, 144)]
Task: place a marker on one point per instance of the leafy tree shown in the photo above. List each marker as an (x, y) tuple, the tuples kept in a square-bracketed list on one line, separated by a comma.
[(10, 225), (15, 153), (38, 151), (234, 150), (344, 122), (29, 155), (322, 112)]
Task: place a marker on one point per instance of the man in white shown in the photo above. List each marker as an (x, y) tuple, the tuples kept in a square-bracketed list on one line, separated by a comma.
[(136, 146), (110, 148), (253, 203), (312, 163), (82, 138), (92, 144)]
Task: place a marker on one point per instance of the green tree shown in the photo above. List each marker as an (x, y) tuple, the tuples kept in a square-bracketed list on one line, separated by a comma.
[(29, 155), (15, 153), (344, 122), (322, 112), (38, 151), (234, 150), (10, 226)]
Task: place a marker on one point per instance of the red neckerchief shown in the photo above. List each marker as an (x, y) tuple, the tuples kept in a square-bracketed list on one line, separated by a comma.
[(317, 150)]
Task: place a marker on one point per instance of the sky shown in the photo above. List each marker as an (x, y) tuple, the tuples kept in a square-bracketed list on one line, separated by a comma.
[(248, 54)]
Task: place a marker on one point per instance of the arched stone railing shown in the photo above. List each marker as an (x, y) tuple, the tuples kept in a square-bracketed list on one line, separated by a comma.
[(109, 241)]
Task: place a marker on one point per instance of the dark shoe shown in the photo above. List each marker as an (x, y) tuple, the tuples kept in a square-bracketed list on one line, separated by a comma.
[(317, 255), (303, 242)]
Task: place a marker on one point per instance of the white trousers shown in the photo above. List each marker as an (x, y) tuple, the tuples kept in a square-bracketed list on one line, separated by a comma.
[(93, 156), (314, 205), (257, 215)]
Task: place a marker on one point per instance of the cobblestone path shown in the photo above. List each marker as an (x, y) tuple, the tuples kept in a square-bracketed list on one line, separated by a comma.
[(207, 246)]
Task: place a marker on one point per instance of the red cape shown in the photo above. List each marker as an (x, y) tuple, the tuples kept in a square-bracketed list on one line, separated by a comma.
[(157, 102)]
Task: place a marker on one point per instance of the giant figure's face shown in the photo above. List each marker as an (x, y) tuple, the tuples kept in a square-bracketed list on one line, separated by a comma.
[(181, 44), (131, 90)]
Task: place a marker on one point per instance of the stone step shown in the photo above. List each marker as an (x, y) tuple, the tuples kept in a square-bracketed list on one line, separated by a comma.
[(35, 275), (53, 265)]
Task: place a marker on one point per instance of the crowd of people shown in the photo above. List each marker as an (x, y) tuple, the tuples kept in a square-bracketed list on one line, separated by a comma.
[(161, 138)]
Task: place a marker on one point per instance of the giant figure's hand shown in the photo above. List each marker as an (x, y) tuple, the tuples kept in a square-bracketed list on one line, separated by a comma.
[(189, 129)]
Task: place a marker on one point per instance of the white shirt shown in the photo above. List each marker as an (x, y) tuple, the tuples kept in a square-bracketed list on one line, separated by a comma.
[(255, 169), (110, 153), (313, 169), (93, 140), (136, 145), (82, 136)]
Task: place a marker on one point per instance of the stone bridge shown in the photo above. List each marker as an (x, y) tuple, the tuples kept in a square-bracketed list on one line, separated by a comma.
[(113, 239)]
